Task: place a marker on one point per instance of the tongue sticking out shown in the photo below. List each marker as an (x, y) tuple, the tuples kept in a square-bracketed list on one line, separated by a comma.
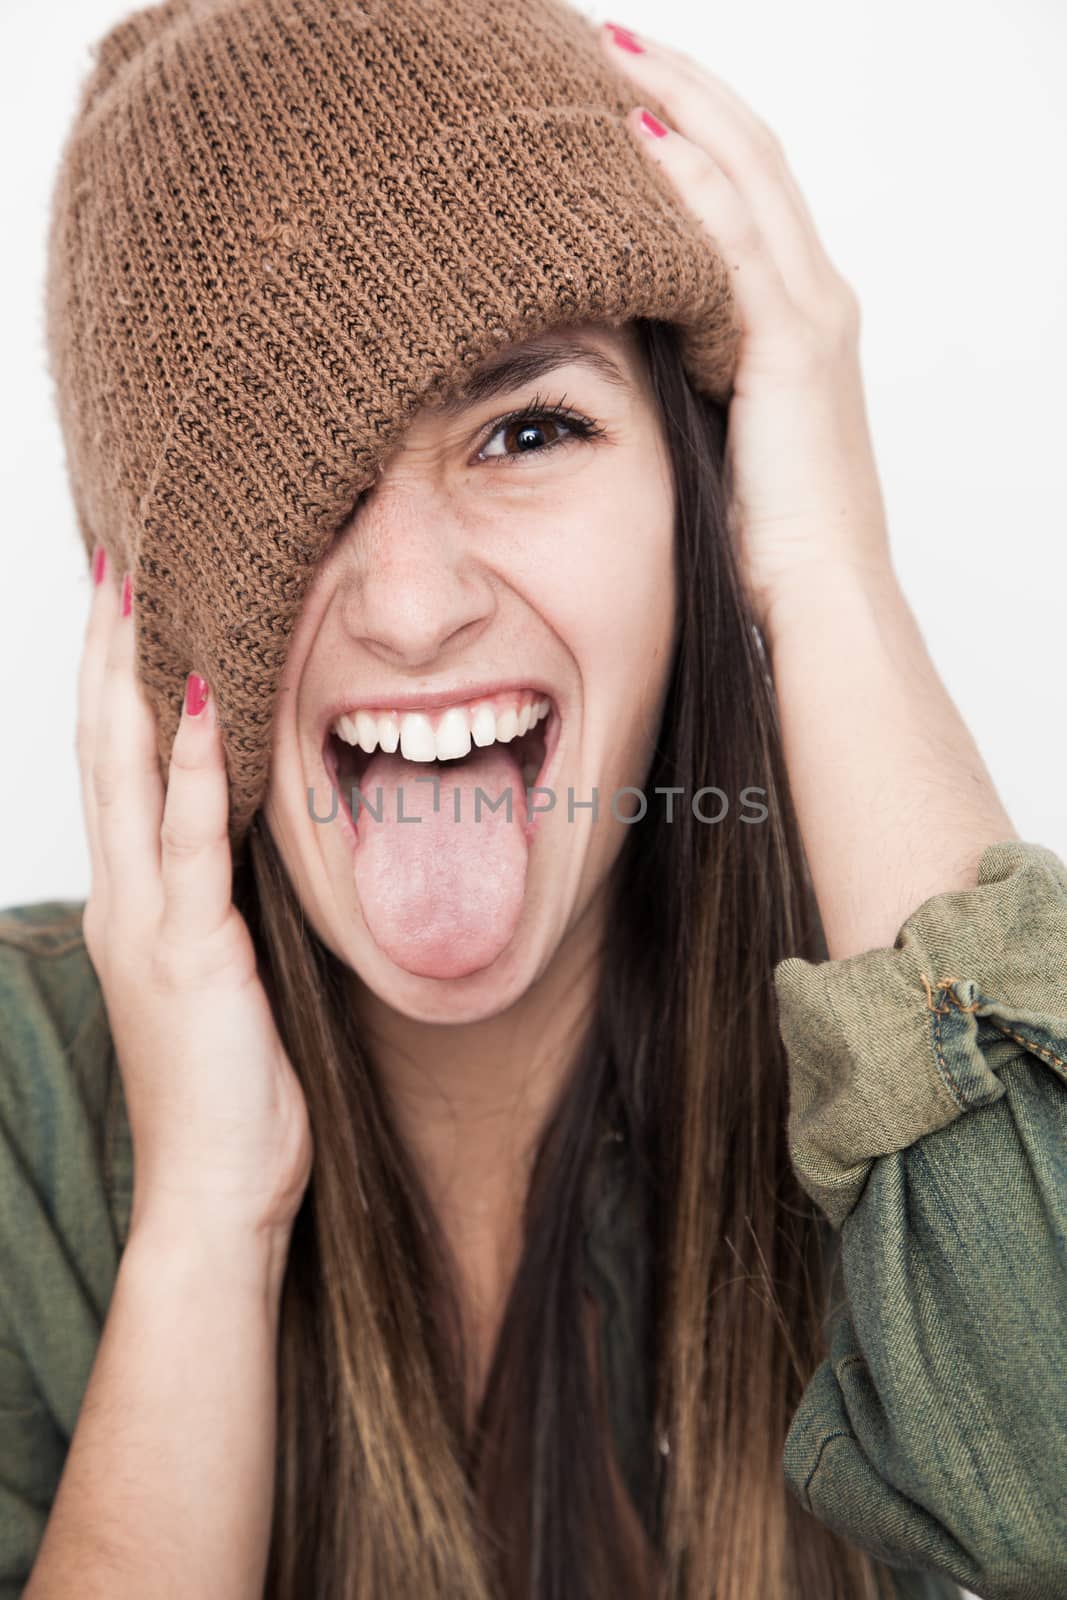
[(442, 897)]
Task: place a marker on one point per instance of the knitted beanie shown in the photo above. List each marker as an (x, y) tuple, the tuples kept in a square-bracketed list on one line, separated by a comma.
[(278, 228)]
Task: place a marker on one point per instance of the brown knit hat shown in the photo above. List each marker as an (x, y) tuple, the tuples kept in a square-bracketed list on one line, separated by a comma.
[(281, 226)]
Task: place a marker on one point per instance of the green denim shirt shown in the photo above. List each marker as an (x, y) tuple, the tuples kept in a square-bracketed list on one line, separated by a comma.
[(928, 1120)]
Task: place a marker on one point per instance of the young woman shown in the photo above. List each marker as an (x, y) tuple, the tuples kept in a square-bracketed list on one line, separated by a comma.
[(401, 1200)]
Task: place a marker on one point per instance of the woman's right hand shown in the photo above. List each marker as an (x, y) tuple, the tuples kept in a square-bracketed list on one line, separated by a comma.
[(218, 1120)]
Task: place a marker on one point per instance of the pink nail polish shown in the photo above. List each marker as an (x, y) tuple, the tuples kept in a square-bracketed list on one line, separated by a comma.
[(652, 125), (99, 564), (195, 694), (625, 39), (127, 595)]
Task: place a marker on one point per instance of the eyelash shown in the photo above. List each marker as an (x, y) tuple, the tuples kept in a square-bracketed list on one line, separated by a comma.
[(582, 427)]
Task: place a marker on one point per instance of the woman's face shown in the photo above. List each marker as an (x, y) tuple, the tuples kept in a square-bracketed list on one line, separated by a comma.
[(492, 565)]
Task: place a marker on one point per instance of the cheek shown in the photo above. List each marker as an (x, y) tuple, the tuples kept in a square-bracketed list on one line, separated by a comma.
[(615, 586), (294, 763), (609, 595)]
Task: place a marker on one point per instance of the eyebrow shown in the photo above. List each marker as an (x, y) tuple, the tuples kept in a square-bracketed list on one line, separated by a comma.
[(533, 360)]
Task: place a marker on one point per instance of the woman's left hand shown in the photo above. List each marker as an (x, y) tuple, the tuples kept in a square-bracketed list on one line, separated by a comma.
[(806, 496)]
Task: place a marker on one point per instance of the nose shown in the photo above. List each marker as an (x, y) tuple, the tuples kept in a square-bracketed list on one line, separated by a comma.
[(412, 587)]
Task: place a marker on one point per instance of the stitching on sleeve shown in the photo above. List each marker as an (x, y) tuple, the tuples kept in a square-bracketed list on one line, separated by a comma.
[(946, 984), (950, 1001), (943, 1070), (838, 1433), (1029, 1044)]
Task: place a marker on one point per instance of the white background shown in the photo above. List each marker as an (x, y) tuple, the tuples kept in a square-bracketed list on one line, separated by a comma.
[(929, 139)]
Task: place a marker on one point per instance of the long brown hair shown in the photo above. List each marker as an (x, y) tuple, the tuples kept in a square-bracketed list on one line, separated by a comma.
[(382, 1493)]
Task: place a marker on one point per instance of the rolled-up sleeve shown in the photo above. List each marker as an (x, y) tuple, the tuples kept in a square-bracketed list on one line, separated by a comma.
[(928, 1120), (61, 1195)]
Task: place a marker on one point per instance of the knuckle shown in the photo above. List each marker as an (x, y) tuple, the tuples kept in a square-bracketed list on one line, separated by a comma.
[(168, 965), (768, 146), (827, 335), (811, 349), (105, 785), (182, 759), (701, 181), (706, 173), (839, 309), (845, 311), (747, 239), (179, 963), (178, 840), (112, 658), (84, 742)]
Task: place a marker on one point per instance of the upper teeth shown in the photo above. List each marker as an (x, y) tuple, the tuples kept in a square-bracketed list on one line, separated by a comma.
[(421, 739)]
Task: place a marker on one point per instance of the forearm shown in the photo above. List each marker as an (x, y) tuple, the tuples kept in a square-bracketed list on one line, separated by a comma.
[(892, 797), (168, 1484)]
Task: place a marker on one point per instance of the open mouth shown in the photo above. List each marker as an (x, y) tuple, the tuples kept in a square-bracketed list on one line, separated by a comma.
[(533, 750)]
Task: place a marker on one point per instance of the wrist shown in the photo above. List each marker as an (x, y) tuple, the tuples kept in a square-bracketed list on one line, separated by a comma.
[(823, 590), (193, 1247)]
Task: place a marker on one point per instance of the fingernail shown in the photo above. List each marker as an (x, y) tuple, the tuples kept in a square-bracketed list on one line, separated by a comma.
[(625, 39), (652, 125), (195, 694), (99, 564), (127, 596)]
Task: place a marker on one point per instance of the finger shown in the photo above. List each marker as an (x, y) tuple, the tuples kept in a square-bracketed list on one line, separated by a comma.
[(103, 610), (705, 110), (747, 147), (764, 305), (197, 865), (127, 787)]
